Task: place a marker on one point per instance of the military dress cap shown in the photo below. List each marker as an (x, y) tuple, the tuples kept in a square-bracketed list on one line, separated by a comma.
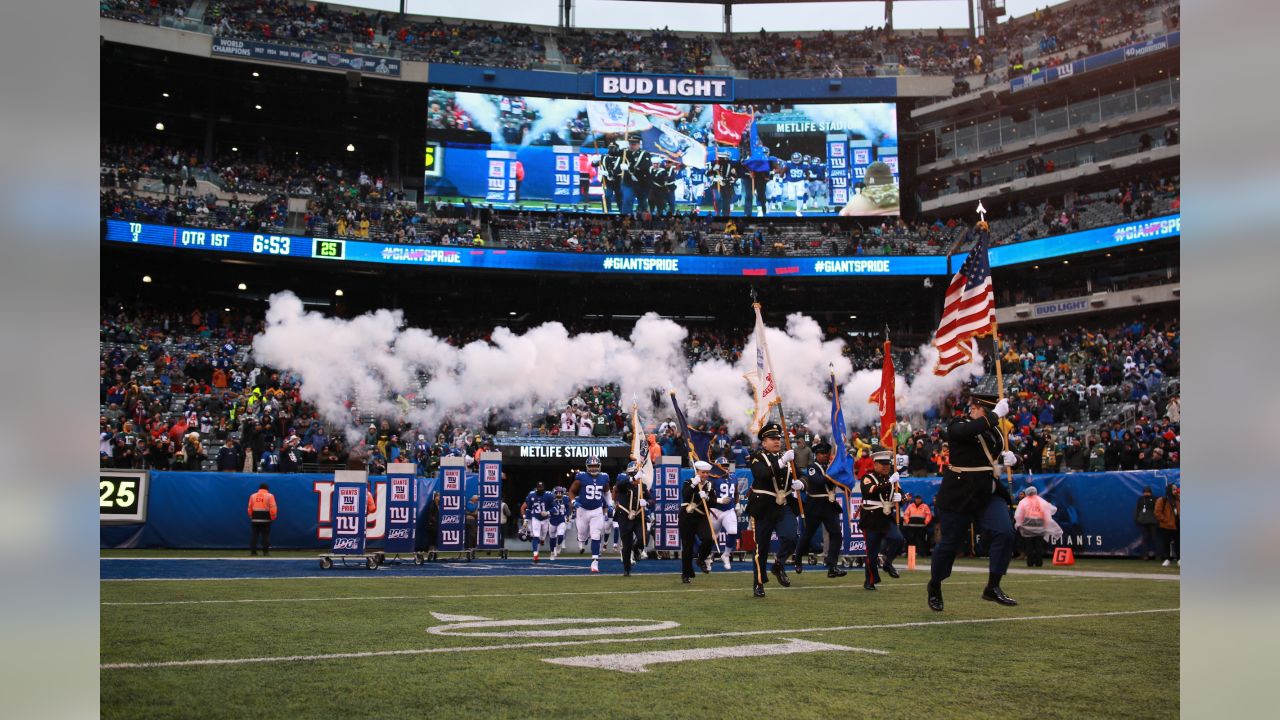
[(633, 137), (702, 465), (882, 456), (770, 430), (983, 399), (822, 447)]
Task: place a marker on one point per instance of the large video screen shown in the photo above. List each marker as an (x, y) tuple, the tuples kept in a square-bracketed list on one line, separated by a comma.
[(540, 153)]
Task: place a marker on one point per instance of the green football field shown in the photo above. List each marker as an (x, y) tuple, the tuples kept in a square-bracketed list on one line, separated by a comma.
[(375, 645)]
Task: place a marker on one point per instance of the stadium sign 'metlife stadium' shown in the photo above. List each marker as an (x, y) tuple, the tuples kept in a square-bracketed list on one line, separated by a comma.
[(677, 88)]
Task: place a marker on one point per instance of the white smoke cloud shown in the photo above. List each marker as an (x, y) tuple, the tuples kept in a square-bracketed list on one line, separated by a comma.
[(552, 114), (373, 359), (484, 114), (869, 119)]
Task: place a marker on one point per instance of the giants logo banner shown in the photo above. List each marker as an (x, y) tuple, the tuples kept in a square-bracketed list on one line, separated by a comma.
[(402, 508), (665, 516), (838, 168), (489, 518), (855, 543), (327, 498), (453, 528), (349, 490)]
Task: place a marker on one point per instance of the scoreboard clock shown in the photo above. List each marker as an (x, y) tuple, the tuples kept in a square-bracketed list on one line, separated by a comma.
[(122, 496)]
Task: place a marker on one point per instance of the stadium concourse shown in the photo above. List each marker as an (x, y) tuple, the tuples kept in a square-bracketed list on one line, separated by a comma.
[(411, 325)]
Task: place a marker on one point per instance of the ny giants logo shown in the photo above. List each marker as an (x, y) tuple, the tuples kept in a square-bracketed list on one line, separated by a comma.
[(376, 522)]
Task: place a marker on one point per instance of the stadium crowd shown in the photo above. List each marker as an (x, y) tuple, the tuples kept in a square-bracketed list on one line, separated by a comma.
[(634, 51), (181, 390)]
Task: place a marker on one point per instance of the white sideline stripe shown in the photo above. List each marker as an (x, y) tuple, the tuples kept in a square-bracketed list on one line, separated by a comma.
[(609, 641), (545, 594), (637, 662)]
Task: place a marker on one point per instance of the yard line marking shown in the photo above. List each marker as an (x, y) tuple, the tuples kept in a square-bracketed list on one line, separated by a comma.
[(545, 594), (637, 662), (458, 629), (568, 643)]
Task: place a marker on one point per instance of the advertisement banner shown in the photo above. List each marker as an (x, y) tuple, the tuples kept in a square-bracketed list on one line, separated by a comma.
[(294, 55), (666, 504), (855, 543), (489, 530), (350, 493), (676, 88), (402, 508), (453, 527), (838, 168), (1095, 62)]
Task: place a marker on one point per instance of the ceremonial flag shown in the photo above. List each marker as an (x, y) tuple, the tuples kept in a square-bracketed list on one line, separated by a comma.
[(613, 117), (841, 467), (758, 159), (762, 382), (968, 312), (640, 448), (697, 442), (669, 143), (729, 126), (666, 110), (884, 399)]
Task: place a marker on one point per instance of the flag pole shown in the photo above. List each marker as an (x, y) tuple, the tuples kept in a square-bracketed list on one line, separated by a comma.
[(635, 418), (782, 415), (897, 486), (995, 337)]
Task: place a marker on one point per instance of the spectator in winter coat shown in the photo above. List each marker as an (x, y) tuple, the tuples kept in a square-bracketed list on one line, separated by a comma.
[(1144, 515), (1169, 515)]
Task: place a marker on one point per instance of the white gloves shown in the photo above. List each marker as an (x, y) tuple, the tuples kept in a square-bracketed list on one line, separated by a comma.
[(797, 485), (1009, 458), (897, 497), (644, 503), (787, 457), (894, 478), (1002, 408), (702, 494)]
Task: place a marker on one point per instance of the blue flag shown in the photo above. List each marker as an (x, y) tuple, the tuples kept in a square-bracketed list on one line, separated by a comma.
[(697, 442), (841, 468), (758, 159)]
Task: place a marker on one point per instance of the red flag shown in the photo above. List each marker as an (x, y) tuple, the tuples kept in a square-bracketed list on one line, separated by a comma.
[(883, 398), (968, 312), (729, 126)]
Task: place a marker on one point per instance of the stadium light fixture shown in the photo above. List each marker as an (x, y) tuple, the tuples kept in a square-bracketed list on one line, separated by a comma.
[(235, 149), (226, 309), (257, 107), (242, 286), (255, 73), (512, 313), (853, 317), (146, 278), (164, 94), (338, 292), (160, 126), (351, 147)]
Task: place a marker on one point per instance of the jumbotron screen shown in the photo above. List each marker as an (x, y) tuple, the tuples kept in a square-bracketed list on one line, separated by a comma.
[(538, 153)]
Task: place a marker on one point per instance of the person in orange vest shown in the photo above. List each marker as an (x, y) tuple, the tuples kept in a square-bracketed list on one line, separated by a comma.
[(916, 516), (262, 511)]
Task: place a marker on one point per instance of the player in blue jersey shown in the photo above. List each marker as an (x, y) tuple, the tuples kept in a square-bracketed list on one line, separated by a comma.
[(559, 513), (589, 494), (795, 173), (536, 511), (724, 513)]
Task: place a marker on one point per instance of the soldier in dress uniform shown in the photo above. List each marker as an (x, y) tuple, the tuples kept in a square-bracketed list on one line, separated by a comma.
[(973, 491), (723, 176), (821, 511), (696, 498), (611, 177), (630, 497), (876, 516), (772, 505), (637, 163)]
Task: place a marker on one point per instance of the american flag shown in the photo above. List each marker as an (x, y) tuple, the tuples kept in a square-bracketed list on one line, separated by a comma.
[(968, 312), (666, 110)]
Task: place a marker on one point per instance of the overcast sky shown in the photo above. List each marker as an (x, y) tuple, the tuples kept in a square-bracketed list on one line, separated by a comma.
[(927, 14)]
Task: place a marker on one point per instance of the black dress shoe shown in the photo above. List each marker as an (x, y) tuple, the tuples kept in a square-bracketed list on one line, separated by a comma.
[(935, 597), (799, 566), (890, 569), (685, 579), (626, 573), (868, 585), (780, 573), (705, 566), (757, 591), (835, 571), (996, 595)]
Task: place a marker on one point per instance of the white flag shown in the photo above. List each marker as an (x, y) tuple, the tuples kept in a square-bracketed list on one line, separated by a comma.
[(640, 449), (614, 117), (762, 382)]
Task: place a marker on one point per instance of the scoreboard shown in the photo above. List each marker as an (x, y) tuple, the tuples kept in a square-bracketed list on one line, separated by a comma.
[(122, 496)]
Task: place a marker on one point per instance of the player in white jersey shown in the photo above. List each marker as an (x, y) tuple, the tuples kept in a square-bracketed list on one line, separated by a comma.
[(724, 514), (589, 495)]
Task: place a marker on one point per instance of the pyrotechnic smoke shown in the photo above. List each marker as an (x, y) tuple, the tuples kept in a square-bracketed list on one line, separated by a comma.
[(869, 119), (374, 360)]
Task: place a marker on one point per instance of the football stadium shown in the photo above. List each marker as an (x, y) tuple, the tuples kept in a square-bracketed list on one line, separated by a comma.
[(529, 360)]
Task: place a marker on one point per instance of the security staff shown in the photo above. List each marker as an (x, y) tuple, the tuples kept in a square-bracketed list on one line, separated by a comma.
[(696, 497), (637, 163), (821, 511), (973, 491), (876, 515), (772, 506), (262, 511), (630, 497)]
